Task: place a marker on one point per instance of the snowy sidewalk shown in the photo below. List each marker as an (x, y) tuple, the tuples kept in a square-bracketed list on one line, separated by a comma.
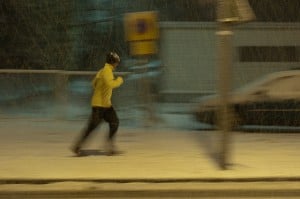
[(39, 150)]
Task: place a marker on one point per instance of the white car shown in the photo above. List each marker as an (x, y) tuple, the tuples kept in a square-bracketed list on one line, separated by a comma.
[(273, 100)]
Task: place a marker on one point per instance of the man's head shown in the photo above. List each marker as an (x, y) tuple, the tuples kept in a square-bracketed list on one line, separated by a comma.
[(113, 58)]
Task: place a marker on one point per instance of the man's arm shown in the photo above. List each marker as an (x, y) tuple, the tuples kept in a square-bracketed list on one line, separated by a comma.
[(110, 81)]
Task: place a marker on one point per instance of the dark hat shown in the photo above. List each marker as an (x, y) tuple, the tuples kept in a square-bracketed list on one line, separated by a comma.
[(112, 58)]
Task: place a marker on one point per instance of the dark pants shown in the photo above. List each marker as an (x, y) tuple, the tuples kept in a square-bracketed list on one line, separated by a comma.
[(98, 115)]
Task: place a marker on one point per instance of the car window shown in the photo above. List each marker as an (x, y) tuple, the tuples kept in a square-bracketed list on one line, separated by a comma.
[(259, 83), (285, 86), (276, 85), (297, 83)]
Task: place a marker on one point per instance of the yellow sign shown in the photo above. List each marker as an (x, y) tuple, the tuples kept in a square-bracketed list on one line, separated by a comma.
[(143, 47), (141, 26)]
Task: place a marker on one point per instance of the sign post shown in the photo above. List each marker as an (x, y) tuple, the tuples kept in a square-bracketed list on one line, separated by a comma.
[(142, 33), (229, 12)]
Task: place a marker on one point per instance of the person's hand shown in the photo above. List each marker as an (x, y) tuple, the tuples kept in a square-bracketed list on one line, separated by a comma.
[(120, 79)]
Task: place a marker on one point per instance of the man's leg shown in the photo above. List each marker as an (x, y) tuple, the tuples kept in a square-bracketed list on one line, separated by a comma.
[(94, 120), (111, 117)]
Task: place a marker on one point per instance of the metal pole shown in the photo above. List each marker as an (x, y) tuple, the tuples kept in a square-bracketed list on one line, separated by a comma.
[(229, 12), (224, 64), (224, 50), (61, 95), (145, 93)]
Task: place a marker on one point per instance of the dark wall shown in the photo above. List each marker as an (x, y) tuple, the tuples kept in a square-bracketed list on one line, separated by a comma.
[(54, 34)]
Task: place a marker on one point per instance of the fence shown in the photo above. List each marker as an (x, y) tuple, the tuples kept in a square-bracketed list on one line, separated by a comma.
[(56, 94)]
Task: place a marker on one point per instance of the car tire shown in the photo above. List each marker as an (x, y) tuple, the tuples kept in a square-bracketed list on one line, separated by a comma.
[(236, 120)]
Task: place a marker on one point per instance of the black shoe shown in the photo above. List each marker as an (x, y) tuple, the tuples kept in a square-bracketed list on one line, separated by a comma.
[(76, 150), (111, 153), (110, 149)]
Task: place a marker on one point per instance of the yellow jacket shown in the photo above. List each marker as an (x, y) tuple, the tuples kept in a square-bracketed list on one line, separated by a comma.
[(103, 84)]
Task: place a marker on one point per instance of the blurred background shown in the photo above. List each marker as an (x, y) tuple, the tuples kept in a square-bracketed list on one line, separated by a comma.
[(51, 49)]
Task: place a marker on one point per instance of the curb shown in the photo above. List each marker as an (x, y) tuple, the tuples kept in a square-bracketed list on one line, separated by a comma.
[(149, 180), (151, 194), (153, 190)]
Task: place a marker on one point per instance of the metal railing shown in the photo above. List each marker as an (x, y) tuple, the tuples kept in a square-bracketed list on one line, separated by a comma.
[(54, 93)]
